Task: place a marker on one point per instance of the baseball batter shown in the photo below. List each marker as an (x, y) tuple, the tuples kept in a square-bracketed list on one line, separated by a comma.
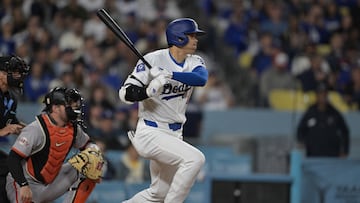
[(163, 92), (36, 161)]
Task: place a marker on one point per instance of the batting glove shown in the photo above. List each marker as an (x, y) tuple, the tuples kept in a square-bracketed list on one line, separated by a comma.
[(156, 71), (156, 86)]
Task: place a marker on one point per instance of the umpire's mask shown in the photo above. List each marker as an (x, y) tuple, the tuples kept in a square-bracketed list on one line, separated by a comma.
[(16, 69)]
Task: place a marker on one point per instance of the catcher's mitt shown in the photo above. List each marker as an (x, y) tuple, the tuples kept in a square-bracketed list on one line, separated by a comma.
[(88, 162)]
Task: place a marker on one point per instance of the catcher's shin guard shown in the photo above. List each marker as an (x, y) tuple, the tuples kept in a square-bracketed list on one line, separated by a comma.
[(83, 191)]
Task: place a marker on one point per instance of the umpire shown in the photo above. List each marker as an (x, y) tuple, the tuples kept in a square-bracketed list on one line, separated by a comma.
[(13, 70), (322, 129)]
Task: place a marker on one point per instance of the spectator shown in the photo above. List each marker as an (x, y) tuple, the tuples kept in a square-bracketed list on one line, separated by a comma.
[(74, 10), (263, 58), (79, 74), (352, 90), (235, 34), (107, 132), (73, 38), (276, 77), (58, 25), (45, 10), (275, 23), (7, 42), (133, 168), (332, 17), (36, 85), (64, 62), (64, 80), (313, 25), (301, 61), (322, 130), (19, 19), (294, 39), (313, 75), (216, 95), (91, 5), (95, 27)]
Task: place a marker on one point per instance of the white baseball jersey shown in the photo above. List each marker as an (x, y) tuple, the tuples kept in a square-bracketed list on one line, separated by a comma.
[(170, 106)]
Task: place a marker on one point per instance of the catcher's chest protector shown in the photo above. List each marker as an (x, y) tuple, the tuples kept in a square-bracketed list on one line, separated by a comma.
[(46, 164)]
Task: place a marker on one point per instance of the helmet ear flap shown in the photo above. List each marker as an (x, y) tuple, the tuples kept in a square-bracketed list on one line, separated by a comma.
[(182, 40), (55, 96), (177, 31)]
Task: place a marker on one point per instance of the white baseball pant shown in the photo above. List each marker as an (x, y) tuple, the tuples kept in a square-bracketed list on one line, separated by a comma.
[(174, 164)]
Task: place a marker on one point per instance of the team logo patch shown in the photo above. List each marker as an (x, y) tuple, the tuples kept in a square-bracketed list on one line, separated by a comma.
[(23, 141), (201, 61), (140, 67)]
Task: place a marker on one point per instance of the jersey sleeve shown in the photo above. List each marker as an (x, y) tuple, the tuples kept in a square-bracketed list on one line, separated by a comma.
[(30, 139), (139, 76), (197, 61)]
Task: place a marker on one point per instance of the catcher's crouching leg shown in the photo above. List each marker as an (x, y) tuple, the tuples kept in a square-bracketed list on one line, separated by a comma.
[(83, 190), (89, 163)]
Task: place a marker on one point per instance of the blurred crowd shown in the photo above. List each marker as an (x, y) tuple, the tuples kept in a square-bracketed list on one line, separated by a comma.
[(251, 46)]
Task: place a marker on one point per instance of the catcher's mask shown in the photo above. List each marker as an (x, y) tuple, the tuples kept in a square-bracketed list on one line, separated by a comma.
[(70, 98), (16, 70)]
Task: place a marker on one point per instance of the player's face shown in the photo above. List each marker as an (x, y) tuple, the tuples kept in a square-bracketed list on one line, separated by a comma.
[(191, 46), (62, 113), (3, 81)]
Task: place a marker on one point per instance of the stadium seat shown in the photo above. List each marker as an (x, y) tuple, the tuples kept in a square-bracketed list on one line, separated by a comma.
[(244, 60), (289, 100), (336, 99), (323, 49)]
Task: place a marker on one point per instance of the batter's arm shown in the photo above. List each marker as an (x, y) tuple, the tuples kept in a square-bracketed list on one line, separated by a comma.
[(198, 77), (130, 93)]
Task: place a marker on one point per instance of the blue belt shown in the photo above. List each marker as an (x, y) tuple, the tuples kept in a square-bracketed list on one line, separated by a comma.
[(172, 126)]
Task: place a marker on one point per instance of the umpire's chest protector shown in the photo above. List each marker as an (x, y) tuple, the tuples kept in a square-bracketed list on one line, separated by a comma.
[(45, 164)]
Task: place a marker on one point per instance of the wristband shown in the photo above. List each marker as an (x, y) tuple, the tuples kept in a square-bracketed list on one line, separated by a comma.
[(24, 184)]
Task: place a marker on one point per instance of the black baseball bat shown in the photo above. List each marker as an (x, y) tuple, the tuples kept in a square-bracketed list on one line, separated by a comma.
[(116, 29)]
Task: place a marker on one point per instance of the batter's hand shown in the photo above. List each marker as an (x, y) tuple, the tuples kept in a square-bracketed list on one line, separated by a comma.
[(25, 194), (156, 86), (156, 71)]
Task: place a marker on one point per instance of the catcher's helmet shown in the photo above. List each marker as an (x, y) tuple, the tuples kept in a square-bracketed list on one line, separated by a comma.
[(177, 30), (66, 96)]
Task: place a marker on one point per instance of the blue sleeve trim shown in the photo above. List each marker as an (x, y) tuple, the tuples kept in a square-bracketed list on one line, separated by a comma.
[(198, 77)]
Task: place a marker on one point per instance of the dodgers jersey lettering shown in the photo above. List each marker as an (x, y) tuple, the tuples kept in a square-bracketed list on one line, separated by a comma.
[(170, 106)]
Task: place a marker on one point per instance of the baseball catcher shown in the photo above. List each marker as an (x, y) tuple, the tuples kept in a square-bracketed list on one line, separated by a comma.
[(37, 162)]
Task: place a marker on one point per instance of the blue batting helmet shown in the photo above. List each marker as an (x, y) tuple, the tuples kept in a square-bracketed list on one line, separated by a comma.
[(177, 30)]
